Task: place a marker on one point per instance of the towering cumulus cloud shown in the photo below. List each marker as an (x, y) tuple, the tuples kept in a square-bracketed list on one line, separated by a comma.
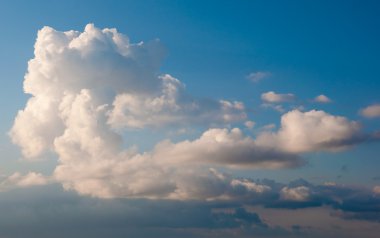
[(86, 87), (102, 73)]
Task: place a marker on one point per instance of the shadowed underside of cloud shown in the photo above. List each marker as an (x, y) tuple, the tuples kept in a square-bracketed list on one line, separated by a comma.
[(88, 86), (44, 211)]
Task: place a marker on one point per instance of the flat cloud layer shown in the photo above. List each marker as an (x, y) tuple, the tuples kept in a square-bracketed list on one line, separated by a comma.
[(88, 86)]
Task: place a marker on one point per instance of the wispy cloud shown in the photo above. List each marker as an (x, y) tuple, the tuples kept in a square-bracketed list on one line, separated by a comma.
[(273, 97), (258, 76)]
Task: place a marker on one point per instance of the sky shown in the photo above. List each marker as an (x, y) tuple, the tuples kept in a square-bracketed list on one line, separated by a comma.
[(189, 119)]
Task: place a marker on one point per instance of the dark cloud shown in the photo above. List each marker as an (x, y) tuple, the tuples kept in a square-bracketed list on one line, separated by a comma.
[(49, 211)]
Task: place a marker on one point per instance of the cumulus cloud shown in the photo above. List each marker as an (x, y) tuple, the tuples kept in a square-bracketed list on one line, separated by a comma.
[(122, 79), (322, 99), (273, 97), (225, 147), (19, 180), (258, 76), (171, 106), (313, 131), (87, 86), (371, 111), (171, 170)]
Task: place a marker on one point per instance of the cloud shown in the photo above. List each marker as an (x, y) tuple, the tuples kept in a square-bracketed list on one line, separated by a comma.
[(88, 89), (250, 186), (376, 190), (225, 147), (313, 131), (300, 193), (91, 161), (273, 97), (171, 106), (322, 99), (120, 80), (258, 76), (278, 108), (268, 127), (27, 180), (371, 111), (48, 211), (249, 124)]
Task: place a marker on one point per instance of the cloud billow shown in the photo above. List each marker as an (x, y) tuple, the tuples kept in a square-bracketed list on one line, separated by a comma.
[(87, 86)]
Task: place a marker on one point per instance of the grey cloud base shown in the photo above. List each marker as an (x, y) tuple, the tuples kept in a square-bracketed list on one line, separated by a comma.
[(48, 211)]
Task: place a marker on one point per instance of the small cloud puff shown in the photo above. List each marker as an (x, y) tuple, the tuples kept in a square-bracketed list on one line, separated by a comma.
[(273, 97), (312, 131), (322, 99), (371, 111)]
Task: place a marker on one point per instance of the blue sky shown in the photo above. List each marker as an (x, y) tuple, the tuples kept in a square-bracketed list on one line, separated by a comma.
[(209, 53)]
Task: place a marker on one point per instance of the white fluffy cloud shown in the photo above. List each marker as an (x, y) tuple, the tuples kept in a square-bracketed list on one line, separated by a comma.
[(371, 111), (322, 99), (224, 147), (171, 106), (312, 131), (273, 97), (169, 171), (86, 86), (122, 80)]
